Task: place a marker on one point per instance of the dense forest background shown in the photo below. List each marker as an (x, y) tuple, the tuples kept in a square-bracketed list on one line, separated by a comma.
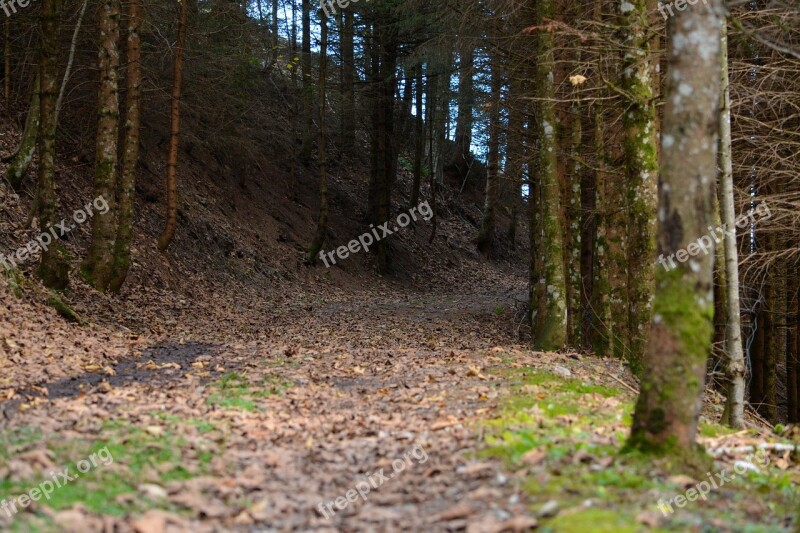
[(577, 168)]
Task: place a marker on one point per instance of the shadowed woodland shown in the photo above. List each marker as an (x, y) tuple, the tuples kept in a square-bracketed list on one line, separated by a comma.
[(396, 265)]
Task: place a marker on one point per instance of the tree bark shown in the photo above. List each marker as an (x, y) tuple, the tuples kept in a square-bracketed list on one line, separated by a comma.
[(466, 102), (486, 232), (549, 318), (21, 160), (322, 219), (175, 132), (308, 87), (735, 366), (419, 136), (667, 412), (100, 262), (7, 60), (71, 59), (54, 266), (641, 171), (126, 195), (348, 85)]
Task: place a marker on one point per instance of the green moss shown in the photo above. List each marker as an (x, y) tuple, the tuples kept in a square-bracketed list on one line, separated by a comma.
[(234, 391), (594, 521), (63, 309), (54, 269), (16, 280)]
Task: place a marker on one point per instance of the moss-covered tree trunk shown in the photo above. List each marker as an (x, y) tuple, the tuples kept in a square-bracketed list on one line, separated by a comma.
[(322, 217), (126, 193), (641, 171), (549, 314), (486, 232), (54, 266), (572, 221), (27, 147), (99, 264), (673, 379)]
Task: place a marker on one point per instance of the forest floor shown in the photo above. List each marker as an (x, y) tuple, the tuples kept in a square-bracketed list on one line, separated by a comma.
[(427, 404)]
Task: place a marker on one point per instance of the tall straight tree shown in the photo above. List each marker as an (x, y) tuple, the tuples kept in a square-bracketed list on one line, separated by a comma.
[(99, 264), (641, 170), (130, 149), (54, 266), (322, 219), (549, 310), (175, 131), (666, 416), (348, 82), (486, 233), (308, 86), (735, 365)]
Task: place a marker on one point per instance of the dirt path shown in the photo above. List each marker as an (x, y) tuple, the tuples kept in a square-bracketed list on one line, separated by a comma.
[(386, 399)]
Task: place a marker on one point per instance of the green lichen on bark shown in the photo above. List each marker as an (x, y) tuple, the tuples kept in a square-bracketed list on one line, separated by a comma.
[(641, 170), (549, 305), (683, 323)]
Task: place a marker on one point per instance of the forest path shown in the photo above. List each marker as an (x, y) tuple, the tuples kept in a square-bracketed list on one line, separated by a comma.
[(257, 435), (422, 403)]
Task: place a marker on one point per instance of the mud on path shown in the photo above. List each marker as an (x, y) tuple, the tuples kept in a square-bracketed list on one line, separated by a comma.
[(385, 395)]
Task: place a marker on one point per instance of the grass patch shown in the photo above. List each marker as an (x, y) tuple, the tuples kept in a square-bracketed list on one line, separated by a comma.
[(126, 456), (567, 433), (235, 392)]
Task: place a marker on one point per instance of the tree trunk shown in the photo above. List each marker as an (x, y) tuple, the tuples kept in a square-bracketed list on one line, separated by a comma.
[(571, 200), (388, 83), (308, 87), (793, 346), (73, 46), (735, 365), (641, 172), (322, 220), (54, 266), (275, 37), (550, 321), (486, 233), (348, 84), (7, 61), (601, 339), (175, 133), (515, 152), (126, 195), (419, 136), (466, 101), (21, 160), (667, 412), (99, 264)]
